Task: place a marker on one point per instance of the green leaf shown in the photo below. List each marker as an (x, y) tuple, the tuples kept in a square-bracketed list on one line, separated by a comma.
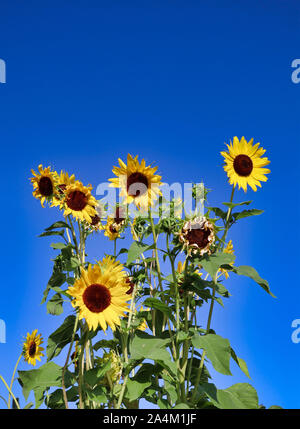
[(181, 406), (55, 305), (56, 280), (97, 395), (135, 389), (212, 263), (136, 249), (48, 233), (145, 346), (58, 245), (246, 213), (241, 363), (59, 224), (232, 205), (246, 270), (94, 375), (217, 349), (238, 396), (158, 305), (60, 338), (56, 399), (39, 380)]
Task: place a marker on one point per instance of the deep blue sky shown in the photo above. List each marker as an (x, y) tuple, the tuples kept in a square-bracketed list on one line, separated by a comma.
[(89, 81)]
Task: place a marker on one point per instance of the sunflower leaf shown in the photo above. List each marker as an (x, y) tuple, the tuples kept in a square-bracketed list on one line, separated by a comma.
[(238, 396), (246, 213), (59, 224), (217, 349), (48, 233), (212, 263), (55, 305), (232, 205), (246, 270), (136, 249), (40, 379), (60, 338)]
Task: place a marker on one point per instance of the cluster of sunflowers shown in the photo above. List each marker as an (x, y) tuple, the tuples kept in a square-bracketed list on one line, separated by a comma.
[(108, 293)]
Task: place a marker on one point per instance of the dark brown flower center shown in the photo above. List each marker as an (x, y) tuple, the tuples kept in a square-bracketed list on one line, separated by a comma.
[(97, 298), (32, 349), (76, 200), (198, 236), (112, 229), (61, 189), (45, 186), (137, 184), (243, 165), (131, 286), (95, 220)]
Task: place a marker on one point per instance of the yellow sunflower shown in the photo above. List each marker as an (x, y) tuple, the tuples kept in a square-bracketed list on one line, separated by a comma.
[(244, 164), (100, 294), (31, 347), (44, 183), (114, 225), (63, 181), (79, 202), (138, 182)]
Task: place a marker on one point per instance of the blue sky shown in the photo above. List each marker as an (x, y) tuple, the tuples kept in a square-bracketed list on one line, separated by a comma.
[(172, 81)]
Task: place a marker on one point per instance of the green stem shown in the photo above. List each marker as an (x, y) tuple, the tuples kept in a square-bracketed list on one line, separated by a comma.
[(66, 363), (14, 398), (199, 373), (13, 377), (124, 346)]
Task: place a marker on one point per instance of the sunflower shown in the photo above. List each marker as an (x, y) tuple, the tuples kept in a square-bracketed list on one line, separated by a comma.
[(138, 182), (79, 202), (31, 348), (228, 249), (197, 236), (114, 225), (100, 294), (63, 180), (44, 183), (244, 164)]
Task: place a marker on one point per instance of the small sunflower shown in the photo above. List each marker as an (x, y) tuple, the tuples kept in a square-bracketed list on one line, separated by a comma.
[(114, 225), (197, 236), (100, 294), (31, 348), (228, 249), (79, 202), (138, 182), (244, 164), (44, 184), (63, 180)]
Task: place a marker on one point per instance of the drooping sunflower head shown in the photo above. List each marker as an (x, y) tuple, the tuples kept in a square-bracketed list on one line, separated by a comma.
[(100, 294), (138, 182), (197, 236), (63, 180), (244, 164), (44, 184), (31, 348), (79, 202)]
